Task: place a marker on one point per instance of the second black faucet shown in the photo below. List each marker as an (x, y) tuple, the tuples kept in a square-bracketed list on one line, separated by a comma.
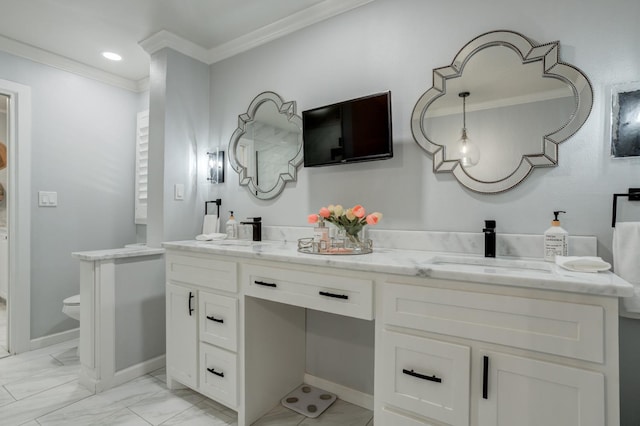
[(489, 238)]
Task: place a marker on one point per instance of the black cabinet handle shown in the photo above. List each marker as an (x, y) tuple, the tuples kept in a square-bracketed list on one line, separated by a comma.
[(485, 378), (217, 373), (212, 318), (337, 296), (422, 376), (262, 283), (191, 296)]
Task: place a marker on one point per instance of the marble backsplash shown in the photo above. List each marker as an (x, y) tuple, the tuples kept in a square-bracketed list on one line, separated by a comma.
[(511, 245)]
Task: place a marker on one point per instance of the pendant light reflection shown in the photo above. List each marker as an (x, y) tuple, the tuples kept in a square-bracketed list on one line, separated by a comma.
[(468, 151), (215, 167)]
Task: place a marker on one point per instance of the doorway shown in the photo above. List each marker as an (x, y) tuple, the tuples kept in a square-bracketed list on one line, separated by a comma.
[(15, 332), (4, 243)]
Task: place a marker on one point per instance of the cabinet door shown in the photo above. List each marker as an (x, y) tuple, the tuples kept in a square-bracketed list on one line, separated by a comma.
[(526, 392), (425, 376), (182, 344)]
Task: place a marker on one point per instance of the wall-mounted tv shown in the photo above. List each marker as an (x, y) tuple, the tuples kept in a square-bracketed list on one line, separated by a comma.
[(349, 131)]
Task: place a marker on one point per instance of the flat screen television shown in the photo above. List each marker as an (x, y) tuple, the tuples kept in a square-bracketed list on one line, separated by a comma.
[(349, 131)]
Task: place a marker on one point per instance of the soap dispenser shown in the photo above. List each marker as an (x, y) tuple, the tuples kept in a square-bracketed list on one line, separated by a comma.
[(556, 240), (231, 227)]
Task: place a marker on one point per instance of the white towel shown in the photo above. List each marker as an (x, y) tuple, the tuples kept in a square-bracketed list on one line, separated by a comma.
[(626, 261), (210, 224), (211, 237), (582, 263)]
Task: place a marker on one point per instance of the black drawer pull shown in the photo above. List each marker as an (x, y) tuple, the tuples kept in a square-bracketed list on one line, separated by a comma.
[(337, 296), (422, 376), (212, 318), (217, 373), (262, 283), (485, 378)]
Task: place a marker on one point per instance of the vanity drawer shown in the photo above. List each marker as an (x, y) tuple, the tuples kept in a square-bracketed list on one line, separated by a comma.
[(560, 328), (352, 297), (218, 374), (201, 271), (218, 320), (426, 376)]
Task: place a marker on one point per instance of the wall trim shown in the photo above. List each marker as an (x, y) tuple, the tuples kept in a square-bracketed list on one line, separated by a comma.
[(292, 23), (54, 339), (41, 56), (352, 396), (123, 376)]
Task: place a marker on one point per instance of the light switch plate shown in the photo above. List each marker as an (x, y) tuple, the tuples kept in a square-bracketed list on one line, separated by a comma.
[(47, 198), (178, 192)]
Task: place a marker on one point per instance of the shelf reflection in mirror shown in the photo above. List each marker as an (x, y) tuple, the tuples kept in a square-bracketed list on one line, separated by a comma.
[(524, 102), (266, 148)]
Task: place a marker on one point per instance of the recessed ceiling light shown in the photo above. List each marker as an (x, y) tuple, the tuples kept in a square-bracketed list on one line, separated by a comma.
[(112, 56)]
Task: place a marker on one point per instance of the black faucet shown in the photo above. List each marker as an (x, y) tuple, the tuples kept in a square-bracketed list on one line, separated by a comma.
[(489, 238), (256, 224)]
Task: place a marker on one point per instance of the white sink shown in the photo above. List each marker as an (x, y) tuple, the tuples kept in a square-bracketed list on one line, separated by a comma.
[(485, 264)]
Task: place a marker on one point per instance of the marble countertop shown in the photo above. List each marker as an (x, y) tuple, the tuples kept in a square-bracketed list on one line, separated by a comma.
[(510, 271), (118, 253)]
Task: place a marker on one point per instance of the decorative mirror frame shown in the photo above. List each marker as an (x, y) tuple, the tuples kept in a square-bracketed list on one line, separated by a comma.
[(288, 109), (549, 53)]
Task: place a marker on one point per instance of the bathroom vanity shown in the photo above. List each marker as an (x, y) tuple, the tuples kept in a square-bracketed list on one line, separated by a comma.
[(459, 340)]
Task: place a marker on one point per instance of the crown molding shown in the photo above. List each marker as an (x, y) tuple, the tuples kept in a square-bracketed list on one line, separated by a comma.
[(44, 57), (164, 38), (292, 23), (285, 26)]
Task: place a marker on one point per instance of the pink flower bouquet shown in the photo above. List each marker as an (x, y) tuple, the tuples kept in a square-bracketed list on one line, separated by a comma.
[(350, 220)]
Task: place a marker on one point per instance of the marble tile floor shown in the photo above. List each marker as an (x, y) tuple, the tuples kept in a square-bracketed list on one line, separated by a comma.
[(40, 388)]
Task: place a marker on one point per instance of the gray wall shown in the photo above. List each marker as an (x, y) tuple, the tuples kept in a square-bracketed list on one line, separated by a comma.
[(179, 134), (394, 45), (83, 147), (140, 310)]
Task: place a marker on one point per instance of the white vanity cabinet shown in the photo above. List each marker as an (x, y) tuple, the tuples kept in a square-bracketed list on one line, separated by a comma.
[(451, 347), (460, 353), (202, 325)]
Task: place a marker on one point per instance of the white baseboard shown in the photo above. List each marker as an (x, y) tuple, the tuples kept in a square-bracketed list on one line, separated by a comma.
[(126, 375), (53, 339), (352, 396), (138, 370)]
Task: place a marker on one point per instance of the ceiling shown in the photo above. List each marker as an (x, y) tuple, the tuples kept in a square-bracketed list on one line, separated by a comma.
[(77, 31)]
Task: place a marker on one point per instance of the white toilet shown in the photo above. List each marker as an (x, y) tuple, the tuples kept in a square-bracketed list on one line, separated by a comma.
[(71, 307)]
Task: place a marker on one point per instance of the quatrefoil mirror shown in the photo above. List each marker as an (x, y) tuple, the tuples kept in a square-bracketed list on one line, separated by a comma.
[(266, 148), (500, 110)]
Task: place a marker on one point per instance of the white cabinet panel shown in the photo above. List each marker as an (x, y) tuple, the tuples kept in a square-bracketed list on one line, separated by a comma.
[(211, 273), (561, 328), (182, 343), (323, 292), (427, 377), (218, 374), (218, 320), (528, 392)]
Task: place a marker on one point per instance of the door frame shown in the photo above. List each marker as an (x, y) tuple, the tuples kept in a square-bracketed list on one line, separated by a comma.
[(19, 215)]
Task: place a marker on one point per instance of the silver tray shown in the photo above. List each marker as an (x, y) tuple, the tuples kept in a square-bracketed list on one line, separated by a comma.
[(336, 248)]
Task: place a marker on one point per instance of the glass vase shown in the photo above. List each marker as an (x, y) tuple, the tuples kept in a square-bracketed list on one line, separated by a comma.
[(358, 242)]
